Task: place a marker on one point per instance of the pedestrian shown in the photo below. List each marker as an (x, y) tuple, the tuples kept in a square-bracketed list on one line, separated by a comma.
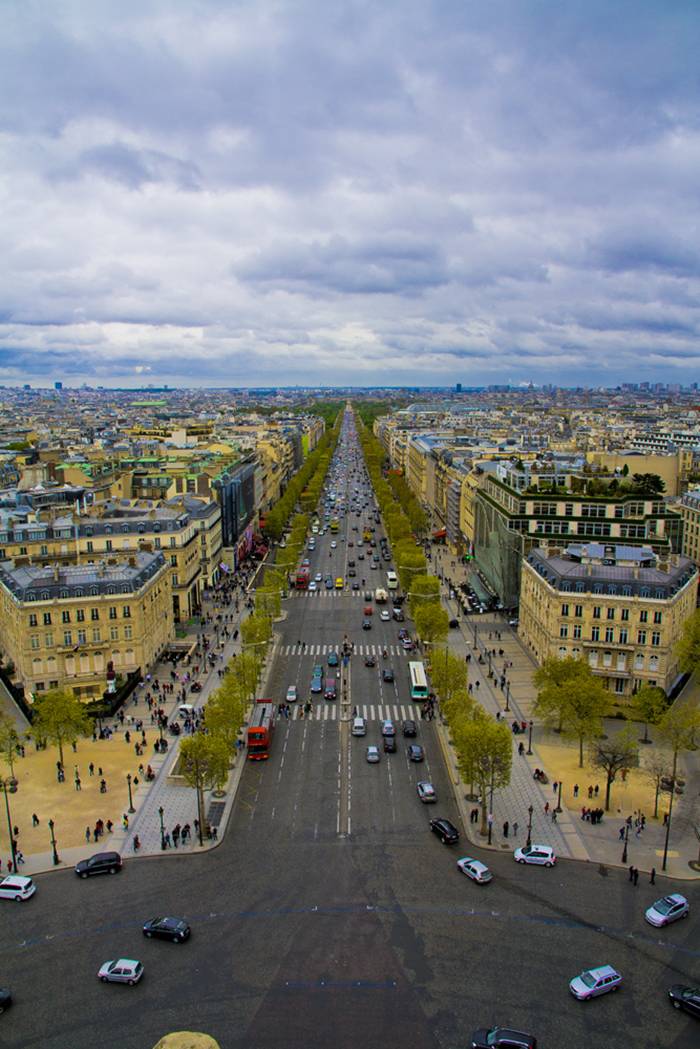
[(636, 875), (621, 833), (35, 820), (87, 834), (597, 788), (521, 748), (214, 834), (515, 829), (575, 790), (103, 786), (77, 783), (652, 876), (546, 808), (137, 843), (167, 840), (91, 768), (590, 792), (554, 786), (125, 821), (506, 827), (19, 856), (554, 815), (631, 877)]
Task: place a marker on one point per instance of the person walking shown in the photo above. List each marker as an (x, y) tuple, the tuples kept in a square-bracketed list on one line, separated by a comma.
[(636, 876), (631, 870), (515, 829), (35, 820), (87, 834), (506, 828), (652, 876)]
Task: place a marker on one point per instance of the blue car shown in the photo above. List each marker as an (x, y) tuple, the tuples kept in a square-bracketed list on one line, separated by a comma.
[(329, 583), (333, 660)]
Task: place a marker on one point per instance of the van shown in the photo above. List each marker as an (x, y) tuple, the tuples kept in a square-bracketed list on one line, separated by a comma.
[(359, 727), (331, 689), (186, 710)]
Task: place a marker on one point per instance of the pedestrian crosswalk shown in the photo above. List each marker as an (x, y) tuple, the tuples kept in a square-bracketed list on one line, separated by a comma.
[(330, 711), (358, 650), (347, 592)]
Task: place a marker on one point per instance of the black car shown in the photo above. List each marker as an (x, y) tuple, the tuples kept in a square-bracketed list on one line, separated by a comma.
[(366, 624), (387, 674), (5, 999), (414, 752), (446, 831), (684, 997), (370, 661), (454, 623), (398, 615), (100, 863), (352, 572), (504, 1037), (368, 595), (389, 744), (409, 728), (175, 929)]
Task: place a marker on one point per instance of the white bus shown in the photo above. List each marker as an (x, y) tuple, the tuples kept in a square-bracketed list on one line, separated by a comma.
[(392, 581), (419, 682)]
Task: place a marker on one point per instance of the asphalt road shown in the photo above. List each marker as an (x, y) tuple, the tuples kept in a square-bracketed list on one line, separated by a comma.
[(304, 936)]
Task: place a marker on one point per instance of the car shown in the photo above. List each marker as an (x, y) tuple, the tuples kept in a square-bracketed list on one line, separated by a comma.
[(368, 610), (339, 584), (370, 661), (446, 831), (317, 670), (403, 633), (329, 583), (351, 573), (355, 585), (316, 684), (17, 887), (685, 998), (312, 586), (318, 578), (500, 1037), (540, 854), (372, 755), (408, 645), (292, 694), (593, 982), (333, 544), (5, 999), (453, 623), (100, 863), (366, 624), (409, 728), (668, 909), (122, 970), (305, 563), (384, 615), (426, 792), (389, 744), (359, 727), (351, 564), (360, 556), (398, 615), (414, 752), (333, 660), (367, 595), (175, 929), (388, 728), (350, 542), (475, 869)]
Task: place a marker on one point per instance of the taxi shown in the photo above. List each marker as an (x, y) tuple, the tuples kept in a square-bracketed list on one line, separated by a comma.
[(339, 584)]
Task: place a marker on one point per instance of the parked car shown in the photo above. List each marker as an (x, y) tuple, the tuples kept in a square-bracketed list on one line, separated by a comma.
[(426, 792), (685, 998), (16, 887), (123, 970), (593, 982), (668, 909), (501, 1037), (475, 869), (446, 831), (100, 863), (539, 854), (175, 929)]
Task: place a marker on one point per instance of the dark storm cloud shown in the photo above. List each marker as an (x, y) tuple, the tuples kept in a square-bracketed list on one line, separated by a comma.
[(350, 191)]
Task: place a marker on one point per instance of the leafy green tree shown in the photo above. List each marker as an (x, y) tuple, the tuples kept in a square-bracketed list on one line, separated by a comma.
[(584, 712), (650, 704), (255, 630), (688, 645), (432, 623), (556, 681), (613, 755), (459, 705), (60, 718), (657, 766), (484, 749), (448, 674), (648, 484), (204, 763), (226, 710), (246, 668), (9, 741), (425, 589), (268, 601)]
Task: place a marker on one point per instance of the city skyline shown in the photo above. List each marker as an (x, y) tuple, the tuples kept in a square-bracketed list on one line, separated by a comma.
[(414, 195)]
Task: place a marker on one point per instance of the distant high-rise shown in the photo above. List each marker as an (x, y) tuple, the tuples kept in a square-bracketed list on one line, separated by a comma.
[(58, 386), (458, 387)]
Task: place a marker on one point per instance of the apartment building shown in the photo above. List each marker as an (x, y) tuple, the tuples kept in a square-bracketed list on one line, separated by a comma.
[(621, 608), (689, 509), (61, 626)]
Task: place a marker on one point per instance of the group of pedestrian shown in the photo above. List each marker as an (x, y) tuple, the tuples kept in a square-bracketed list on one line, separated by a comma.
[(592, 815)]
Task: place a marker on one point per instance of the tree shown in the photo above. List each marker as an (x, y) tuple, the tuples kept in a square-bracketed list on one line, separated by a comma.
[(657, 766), (226, 710), (459, 705), (650, 704), (556, 681), (677, 730), (432, 623), (484, 749), (613, 755), (585, 708), (688, 645), (268, 601), (246, 667), (9, 741), (424, 588), (60, 718), (448, 674), (255, 631), (648, 484), (204, 763)]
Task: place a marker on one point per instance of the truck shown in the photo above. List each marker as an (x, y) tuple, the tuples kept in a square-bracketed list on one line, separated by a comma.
[(380, 596), (260, 729), (301, 580)]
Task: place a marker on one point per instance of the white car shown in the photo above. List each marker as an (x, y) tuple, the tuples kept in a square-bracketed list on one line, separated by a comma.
[(593, 982), (475, 869), (17, 888), (668, 909), (318, 577), (333, 544), (313, 585), (540, 854), (426, 792), (292, 694), (384, 616), (373, 755), (122, 970)]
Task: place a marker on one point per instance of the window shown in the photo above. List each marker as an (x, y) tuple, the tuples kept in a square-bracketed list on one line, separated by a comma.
[(654, 664), (656, 638), (126, 612), (44, 551), (34, 641), (609, 635), (625, 615), (48, 639), (643, 616), (82, 637), (173, 560), (563, 631), (578, 611), (23, 551), (94, 614), (65, 617), (611, 613), (619, 685), (90, 546), (595, 633), (565, 610), (114, 633), (32, 619), (67, 637), (639, 661), (112, 612), (657, 617), (641, 637), (47, 619), (127, 633), (96, 634), (623, 636), (80, 615), (108, 545), (577, 631), (596, 611)]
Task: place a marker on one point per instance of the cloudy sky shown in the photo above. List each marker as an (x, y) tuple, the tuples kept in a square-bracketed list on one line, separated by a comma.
[(275, 192)]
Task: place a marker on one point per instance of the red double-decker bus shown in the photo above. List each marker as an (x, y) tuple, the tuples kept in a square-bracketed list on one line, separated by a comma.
[(302, 579), (260, 729)]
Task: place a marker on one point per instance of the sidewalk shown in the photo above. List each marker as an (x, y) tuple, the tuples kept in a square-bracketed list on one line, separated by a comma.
[(570, 835)]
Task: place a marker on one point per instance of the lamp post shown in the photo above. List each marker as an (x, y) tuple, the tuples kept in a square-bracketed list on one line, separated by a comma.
[(162, 828), (3, 783), (558, 808), (490, 818), (507, 697), (624, 850), (530, 810), (56, 859), (128, 783), (668, 817), (529, 739)]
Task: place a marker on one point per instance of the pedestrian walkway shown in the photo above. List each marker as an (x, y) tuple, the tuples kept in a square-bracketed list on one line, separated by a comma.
[(359, 649), (379, 712)]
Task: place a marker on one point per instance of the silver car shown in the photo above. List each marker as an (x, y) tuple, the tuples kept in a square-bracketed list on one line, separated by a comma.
[(373, 755), (668, 909), (122, 970)]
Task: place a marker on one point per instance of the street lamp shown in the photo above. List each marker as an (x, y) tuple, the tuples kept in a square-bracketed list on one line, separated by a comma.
[(530, 810), (507, 697), (668, 816), (162, 828), (128, 782), (529, 739), (558, 808), (3, 783), (56, 860), (624, 850)]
